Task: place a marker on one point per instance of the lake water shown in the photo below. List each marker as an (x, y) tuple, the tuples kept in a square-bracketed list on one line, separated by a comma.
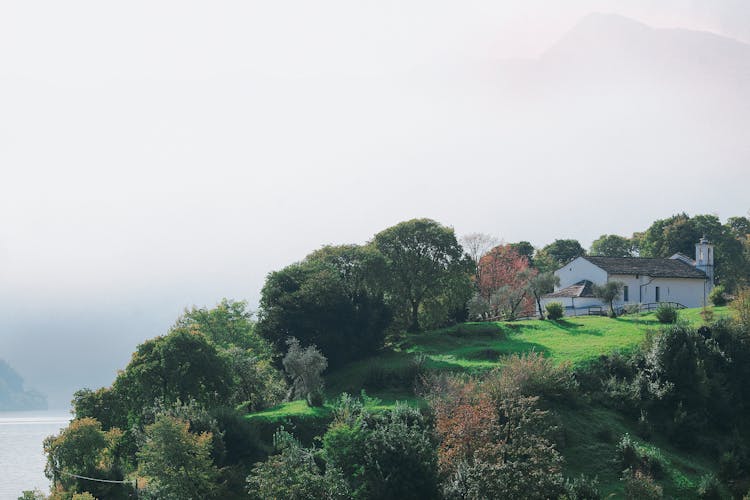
[(21, 455)]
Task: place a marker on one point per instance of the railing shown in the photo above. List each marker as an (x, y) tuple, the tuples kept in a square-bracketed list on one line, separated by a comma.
[(653, 306), (604, 309)]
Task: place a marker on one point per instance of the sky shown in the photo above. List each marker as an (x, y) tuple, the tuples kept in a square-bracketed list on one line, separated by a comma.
[(157, 155)]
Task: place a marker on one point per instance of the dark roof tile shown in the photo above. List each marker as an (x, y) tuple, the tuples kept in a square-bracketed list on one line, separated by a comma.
[(583, 288), (656, 268)]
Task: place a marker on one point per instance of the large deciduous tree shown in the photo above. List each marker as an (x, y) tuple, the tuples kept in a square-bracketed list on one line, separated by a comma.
[(680, 233), (333, 299), (84, 449), (177, 463), (181, 366), (504, 277), (423, 263), (612, 245), (476, 246), (563, 251)]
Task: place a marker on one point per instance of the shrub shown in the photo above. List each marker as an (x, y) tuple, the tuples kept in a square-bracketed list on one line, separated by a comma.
[(709, 488), (741, 307), (718, 296), (707, 313), (666, 313), (640, 486), (294, 473), (582, 488), (385, 455), (531, 374), (554, 310), (640, 458)]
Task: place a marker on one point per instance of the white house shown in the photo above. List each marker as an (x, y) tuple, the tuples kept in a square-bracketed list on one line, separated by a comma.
[(677, 279)]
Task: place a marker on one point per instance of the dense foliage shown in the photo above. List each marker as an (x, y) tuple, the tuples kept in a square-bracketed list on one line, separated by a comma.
[(425, 266), (333, 299), (481, 424)]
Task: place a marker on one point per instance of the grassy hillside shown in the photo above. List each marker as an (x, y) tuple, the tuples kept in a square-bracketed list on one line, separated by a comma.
[(477, 347), (590, 432)]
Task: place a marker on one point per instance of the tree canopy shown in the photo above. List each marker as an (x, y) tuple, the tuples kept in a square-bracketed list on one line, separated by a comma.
[(612, 245), (563, 251), (332, 299), (422, 257)]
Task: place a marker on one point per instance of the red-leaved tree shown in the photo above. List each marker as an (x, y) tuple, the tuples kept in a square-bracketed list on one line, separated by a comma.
[(503, 282)]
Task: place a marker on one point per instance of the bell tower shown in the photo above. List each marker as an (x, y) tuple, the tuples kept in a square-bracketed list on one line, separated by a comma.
[(704, 259)]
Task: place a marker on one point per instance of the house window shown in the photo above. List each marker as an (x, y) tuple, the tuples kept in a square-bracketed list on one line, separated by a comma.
[(625, 293), (657, 294)]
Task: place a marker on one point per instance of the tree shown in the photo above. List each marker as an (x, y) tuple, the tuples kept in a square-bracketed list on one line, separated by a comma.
[(680, 233), (612, 245), (176, 463), (609, 292), (384, 455), (84, 449), (493, 445), (539, 285), (665, 237), (476, 245), (228, 324), (524, 249), (333, 299), (504, 279), (421, 257), (294, 474), (255, 383), (563, 251), (305, 368), (739, 227), (180, 366)]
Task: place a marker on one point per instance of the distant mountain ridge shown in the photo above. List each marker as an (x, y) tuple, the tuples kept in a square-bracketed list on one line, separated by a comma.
[(12, 394), (621, 42)]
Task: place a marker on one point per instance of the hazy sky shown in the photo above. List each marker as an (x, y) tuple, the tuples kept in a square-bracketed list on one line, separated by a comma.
[(156, 155)]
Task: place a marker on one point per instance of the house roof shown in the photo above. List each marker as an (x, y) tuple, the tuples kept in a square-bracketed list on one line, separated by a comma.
[(583, 288), (656, 268)]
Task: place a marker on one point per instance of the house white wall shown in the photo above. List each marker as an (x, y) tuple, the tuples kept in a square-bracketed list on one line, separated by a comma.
[(685, 291), (579, 269)]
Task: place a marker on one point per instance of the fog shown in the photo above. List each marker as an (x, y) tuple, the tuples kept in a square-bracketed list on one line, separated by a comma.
[(156, 155)]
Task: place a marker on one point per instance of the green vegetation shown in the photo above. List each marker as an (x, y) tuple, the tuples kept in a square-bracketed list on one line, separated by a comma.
[(582, 407)]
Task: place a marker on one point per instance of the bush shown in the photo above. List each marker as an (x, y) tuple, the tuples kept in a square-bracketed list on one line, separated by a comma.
[(707, 313), (640, 458), (582, 488), (709, 488), (554, 310), (666, 313), (294, 473), (718, 296), (531, 374), (640, 486), (385, 455), (741, 307)]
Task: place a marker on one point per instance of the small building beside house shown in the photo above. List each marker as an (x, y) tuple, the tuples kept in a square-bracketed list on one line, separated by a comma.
[(678, 279)]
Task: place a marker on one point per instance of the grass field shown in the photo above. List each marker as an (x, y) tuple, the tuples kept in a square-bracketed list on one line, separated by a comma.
[(478, 347), (591, 433)]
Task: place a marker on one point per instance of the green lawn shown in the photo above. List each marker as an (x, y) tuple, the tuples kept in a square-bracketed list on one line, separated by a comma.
[(591, 433)]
